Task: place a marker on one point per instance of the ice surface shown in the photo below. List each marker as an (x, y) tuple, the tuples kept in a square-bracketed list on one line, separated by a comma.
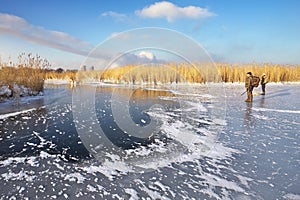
[(252, 153)]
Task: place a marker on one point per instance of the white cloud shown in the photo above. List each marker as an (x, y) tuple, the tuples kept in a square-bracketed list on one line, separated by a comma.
[(117, 16), (19, 27), (144, 54), (172, 12), (140, 58)]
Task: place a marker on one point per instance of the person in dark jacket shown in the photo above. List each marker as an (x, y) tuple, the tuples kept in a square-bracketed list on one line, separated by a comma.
[(263, 83), (249, 87)]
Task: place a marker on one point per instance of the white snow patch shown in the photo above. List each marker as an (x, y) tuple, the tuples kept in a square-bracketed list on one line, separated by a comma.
[(244, 180), (44, 155), (3, 116), (291, 196), (20, 160), (133, 193), (21, 175), (110, 169), (78, 177), (5, 91), (277, 110), (153, 194), (56, 81), (261, 117), (91, 188)]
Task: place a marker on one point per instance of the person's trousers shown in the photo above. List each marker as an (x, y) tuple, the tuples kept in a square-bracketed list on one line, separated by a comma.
[(250, 96), (263, 88)]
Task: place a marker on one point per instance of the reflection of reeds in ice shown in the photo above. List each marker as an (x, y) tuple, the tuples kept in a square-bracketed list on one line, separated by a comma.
[(190, 73), (137, 94)]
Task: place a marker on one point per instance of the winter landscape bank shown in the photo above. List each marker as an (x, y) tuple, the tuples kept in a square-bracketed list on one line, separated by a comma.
[(27, 77)]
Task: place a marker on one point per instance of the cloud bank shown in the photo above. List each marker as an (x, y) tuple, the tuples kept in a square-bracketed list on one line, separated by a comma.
[(19, 27), (172, 12)]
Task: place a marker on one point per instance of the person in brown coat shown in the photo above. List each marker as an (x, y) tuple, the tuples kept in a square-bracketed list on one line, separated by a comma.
[(263, 83), (249, 87)]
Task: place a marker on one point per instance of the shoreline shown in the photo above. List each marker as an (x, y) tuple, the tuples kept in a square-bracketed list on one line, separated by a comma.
[(28, 102), (35, 102), (112, 83)]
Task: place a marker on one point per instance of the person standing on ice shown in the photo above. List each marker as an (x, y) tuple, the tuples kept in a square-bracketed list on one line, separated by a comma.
[(263, 83), (249, 87)]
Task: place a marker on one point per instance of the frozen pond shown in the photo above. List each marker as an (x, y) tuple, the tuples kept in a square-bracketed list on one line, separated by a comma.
[(201, 145)]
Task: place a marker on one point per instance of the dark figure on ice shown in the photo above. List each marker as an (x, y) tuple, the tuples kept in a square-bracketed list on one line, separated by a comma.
[(249, 87), (263, 83)]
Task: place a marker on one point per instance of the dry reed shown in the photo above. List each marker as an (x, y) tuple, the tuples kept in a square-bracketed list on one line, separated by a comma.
[(29, 72), (191, 73)]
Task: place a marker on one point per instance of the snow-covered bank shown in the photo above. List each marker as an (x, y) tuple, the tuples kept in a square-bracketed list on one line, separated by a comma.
[(15, 92), (3, 116), (26, 103), (270, 83), (57, 81), (5, 91), (109, 82)]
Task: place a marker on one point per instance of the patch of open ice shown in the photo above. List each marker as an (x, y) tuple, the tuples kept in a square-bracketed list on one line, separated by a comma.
[(195, 106)]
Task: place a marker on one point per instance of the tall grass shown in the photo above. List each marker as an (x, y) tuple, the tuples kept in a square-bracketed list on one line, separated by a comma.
[(65, 75), (191, 73), (275, 73), (29, 72)]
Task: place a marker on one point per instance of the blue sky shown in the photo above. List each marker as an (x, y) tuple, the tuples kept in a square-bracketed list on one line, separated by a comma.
[(232, 31)]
